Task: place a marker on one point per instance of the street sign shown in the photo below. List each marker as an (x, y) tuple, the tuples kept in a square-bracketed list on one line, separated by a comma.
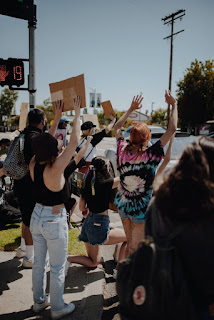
[(11, 72)]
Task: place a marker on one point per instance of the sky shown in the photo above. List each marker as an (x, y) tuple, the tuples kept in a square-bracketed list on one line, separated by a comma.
[(117, 44)]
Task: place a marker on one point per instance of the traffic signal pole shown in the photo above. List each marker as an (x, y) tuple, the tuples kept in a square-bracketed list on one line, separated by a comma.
[(26, 10), (32, 72)]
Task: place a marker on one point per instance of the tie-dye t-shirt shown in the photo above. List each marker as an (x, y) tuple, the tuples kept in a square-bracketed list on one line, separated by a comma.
[(137, 173)]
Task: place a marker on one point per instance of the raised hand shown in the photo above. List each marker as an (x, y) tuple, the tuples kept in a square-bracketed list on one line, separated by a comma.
[(169, 98), (77, 104), (112, 117), (136, 102), (59, 105)]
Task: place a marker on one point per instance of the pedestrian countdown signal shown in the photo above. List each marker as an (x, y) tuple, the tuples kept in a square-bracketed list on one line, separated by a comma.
[(11, 72)]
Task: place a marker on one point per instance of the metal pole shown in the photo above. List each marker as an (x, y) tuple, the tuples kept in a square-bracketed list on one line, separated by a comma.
[(170, 67), (170, 19), (171, 55), (32, 75), (95, 99)]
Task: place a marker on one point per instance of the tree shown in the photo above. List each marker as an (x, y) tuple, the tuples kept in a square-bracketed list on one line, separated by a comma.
[(159, 116), (48, 109), (8, 99), (196, 94)]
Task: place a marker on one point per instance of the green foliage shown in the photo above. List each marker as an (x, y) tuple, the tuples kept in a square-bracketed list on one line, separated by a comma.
[(103, 121), (10, 239), (7, 102), (159, 117), (196, 94), (48, 109)]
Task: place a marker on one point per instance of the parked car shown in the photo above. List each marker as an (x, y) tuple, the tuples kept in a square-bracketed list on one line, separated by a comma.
[(207, 128), (180, 141)]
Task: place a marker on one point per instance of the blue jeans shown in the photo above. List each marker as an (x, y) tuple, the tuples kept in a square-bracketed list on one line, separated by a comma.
[(50, 233)]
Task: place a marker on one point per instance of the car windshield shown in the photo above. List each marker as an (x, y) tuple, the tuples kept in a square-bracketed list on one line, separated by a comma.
[(178, 146)]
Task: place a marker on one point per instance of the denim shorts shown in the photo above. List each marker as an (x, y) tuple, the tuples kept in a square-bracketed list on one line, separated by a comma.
[(141, 218), (95, 229)]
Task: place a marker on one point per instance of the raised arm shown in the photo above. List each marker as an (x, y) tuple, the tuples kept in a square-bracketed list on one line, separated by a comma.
[(173, 120), (167, 157), (82, 151), (111, 124), (63, 160), (58, 114), (135, 105)]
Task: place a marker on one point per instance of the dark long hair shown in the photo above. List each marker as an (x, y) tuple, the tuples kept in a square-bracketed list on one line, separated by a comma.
[(188, 192), (99, 171)]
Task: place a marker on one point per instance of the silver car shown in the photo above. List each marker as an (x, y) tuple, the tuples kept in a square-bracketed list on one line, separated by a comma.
[(180, 141)]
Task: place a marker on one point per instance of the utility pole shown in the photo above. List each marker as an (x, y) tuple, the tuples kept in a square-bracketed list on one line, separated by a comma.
[(170, 20)]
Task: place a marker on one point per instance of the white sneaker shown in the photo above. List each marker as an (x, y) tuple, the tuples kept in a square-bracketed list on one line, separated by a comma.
[(67, 266), (20, 253), (115, 274), (27, 264), (38, 307), (68, 308)]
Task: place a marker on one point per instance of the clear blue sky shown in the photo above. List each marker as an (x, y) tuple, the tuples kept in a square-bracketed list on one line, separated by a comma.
[(117, 44)]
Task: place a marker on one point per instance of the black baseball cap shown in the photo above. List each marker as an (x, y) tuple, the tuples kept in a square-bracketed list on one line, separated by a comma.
[(87, 125)]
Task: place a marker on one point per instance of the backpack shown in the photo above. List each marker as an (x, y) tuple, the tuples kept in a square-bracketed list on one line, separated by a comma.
[(155, 273), (14, 165)]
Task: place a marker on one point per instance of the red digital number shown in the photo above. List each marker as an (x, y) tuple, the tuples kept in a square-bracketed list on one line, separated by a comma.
[(17, 73)]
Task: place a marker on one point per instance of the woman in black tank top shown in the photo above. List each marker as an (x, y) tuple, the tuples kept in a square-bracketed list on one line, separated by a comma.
[(49, 228)]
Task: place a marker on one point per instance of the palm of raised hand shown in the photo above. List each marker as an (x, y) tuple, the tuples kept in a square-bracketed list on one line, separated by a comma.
[(136, 102)]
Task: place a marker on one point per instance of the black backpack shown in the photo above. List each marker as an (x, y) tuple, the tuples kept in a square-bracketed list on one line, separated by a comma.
[(14, 165), (154, 272)]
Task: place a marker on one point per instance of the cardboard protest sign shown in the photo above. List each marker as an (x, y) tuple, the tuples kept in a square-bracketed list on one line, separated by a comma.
[(107, 107), (67, 90), (91, 117), (23, 116)]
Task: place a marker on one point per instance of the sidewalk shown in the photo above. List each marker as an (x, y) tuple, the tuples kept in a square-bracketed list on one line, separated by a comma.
[(83, 286)]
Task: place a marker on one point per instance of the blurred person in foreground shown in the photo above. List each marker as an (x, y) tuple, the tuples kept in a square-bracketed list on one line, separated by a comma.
[(186, 198), (49, 171), (137, 164)]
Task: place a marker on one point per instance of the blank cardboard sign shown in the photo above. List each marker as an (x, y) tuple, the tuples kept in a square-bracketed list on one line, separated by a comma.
[(91, 117), (107, 107), (23, 116), (67, 90)]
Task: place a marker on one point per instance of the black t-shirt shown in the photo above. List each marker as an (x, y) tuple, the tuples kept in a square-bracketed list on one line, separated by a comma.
[(103, 194), (23, 188)]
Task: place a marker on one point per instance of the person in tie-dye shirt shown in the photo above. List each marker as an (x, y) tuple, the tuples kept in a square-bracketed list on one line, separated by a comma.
[(137, 166)]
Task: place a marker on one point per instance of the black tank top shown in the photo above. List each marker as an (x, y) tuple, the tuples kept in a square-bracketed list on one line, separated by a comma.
[(45, 196)]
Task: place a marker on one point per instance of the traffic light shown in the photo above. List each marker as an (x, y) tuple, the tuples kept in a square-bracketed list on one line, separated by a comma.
[(11, 72), (22, 9)]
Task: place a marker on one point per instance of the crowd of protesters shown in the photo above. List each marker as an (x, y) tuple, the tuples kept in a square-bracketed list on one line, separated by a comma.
[(44, 197)]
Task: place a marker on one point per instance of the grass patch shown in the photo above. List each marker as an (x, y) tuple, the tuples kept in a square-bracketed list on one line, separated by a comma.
[(10, 238)]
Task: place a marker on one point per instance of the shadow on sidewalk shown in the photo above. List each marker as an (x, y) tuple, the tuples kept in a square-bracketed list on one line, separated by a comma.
[(9, 272), (26, 314), (79, 277)]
